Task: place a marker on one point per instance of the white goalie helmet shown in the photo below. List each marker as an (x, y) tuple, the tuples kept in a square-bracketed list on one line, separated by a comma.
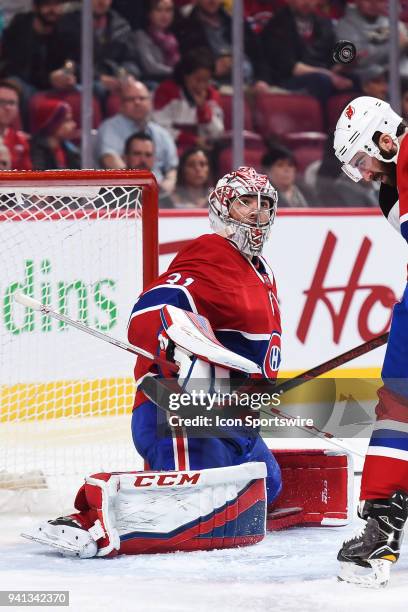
[(251, 232), (353, 136)]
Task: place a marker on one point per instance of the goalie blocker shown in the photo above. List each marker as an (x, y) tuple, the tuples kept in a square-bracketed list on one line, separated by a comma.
[(157, 512)]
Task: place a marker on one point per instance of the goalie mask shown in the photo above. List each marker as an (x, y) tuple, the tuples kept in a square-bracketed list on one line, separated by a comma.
[(353, 136), (250, 225)]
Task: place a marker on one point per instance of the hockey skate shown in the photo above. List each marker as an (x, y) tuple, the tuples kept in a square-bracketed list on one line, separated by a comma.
[(67, 535), (367, 557)]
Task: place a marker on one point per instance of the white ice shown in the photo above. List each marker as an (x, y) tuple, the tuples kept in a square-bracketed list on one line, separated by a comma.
[(290, 570)]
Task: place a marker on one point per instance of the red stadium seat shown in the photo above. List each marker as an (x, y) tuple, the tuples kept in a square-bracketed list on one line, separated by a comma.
[(335, 105), (253, 157), (306, 154), (226, 105), (307, 147), (252, 140), (281, 114)]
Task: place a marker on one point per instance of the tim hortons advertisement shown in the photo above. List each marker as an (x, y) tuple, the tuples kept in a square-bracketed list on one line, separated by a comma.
[(338, 272)]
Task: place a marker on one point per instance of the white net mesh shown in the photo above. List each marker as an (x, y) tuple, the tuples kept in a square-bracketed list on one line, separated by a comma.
[(66, 397)]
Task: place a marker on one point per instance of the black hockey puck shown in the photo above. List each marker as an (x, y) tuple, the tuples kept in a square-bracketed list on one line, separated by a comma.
[(344, 52)]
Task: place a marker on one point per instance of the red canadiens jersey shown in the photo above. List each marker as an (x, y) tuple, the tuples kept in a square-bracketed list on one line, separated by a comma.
[(212, 278)]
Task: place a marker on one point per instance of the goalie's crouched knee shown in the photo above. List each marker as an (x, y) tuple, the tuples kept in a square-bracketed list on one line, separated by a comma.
[(156, 512)]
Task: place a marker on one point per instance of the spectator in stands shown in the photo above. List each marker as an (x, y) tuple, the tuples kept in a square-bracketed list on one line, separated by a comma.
[(193, 179), (5, 158), (16, 141), (114, 55), (51, 146), (134, 116), (188, 106), (280, 166), (374, 82), (368, 28), (33, 49), (297, 52), (156, 46), (139, 154), (209, 25)]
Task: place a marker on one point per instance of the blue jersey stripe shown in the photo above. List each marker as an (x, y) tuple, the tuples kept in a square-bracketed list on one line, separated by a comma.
[(404, 229), (390, 439), (163, 295), (251, 349)]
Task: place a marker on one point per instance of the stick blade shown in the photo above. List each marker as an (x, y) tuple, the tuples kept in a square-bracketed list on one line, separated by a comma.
[(25, 300)]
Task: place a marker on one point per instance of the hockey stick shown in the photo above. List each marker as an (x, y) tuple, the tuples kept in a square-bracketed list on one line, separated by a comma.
[(159, 392), (333, 363), (146, 385), (29, 302)]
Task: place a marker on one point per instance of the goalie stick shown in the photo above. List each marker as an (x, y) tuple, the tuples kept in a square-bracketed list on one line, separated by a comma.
[(29, 302), (147, 384), (159, 392)]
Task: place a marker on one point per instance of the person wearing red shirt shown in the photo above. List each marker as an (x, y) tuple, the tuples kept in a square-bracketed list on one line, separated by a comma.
[(16, 141)]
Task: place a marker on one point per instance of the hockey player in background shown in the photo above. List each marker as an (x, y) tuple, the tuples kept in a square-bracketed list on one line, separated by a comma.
[(370, 141)]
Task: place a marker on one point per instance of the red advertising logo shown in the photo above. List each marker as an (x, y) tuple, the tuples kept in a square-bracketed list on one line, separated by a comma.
[(318, 292)]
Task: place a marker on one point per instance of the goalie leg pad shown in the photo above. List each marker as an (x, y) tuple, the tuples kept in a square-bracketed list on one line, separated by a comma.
[(157, 512), (192, 510), (317, 489)]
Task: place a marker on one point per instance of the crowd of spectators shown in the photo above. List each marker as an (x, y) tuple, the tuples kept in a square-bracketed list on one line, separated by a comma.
[(163, 89)]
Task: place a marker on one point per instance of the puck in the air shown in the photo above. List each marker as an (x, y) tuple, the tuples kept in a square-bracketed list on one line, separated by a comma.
[(344, 52)]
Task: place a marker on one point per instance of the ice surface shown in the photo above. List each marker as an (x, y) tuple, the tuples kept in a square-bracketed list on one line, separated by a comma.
[(290, 570)]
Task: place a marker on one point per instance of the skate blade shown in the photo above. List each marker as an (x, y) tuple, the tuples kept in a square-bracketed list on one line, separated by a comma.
[(64, 548), (51, 536), (376, 578)]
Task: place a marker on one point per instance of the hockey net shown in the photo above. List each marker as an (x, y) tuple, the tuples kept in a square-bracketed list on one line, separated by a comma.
[(84, 242)]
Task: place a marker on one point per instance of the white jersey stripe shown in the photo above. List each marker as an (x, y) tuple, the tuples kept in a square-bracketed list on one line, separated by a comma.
[(385, 451), (403, 218), (397, 426), (247, 335)]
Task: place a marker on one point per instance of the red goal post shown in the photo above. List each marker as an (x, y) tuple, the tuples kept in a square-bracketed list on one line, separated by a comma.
[(78, 178), (86, 242)]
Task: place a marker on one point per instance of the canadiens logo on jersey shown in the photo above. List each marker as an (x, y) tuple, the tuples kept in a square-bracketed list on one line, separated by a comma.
[(273, 356)]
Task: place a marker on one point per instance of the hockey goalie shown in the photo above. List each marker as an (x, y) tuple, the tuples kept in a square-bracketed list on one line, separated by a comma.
[(212, 317)]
